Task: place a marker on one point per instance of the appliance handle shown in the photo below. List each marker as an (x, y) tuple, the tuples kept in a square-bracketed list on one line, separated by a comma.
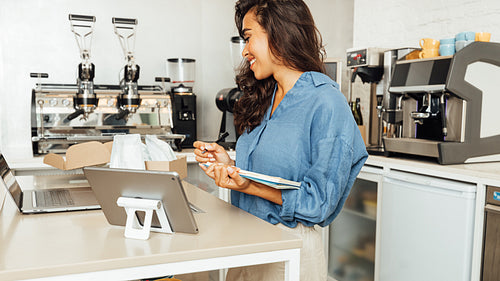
[(492, 208)]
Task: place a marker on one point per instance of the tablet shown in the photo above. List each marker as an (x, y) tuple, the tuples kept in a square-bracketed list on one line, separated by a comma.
[(109, 184)]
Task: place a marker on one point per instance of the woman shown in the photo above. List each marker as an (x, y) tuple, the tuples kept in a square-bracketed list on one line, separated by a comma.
[(295, 124)]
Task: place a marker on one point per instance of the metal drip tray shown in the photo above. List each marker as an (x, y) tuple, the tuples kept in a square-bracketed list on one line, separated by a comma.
[(412, 146)]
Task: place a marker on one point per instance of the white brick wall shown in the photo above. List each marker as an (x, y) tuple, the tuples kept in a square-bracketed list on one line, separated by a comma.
[(399, 23)]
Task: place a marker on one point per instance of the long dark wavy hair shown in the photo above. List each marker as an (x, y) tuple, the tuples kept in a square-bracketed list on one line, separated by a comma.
[(293, 39)]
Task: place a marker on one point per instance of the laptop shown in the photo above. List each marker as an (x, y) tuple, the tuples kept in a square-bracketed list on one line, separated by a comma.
[(30, 200), (109, 184)]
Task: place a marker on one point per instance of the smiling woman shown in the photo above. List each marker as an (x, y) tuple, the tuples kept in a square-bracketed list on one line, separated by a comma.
[(297, 46), (294, 124)]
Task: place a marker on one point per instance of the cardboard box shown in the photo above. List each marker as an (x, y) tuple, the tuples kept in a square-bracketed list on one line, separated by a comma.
[(179, 165), (95, 153), (80, 155)]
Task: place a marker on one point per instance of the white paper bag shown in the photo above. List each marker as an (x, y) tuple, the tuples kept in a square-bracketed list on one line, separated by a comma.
[(127, 152), (159, 150)]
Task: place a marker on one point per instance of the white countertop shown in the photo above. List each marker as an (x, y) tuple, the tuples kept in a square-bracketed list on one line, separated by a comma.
[(28, 165), (481, 173), (43, 245)]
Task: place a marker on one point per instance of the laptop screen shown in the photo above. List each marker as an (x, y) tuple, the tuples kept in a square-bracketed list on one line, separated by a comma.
[(10, 182)]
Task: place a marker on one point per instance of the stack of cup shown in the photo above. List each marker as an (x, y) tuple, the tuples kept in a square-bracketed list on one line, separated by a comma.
[(430, 48), (463, 39), (447, 47)]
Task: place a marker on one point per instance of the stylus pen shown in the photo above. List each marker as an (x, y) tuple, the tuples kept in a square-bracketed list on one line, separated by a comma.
[(222, 137)]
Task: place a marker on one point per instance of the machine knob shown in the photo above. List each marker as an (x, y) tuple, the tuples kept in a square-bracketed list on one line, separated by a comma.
[(66, 102), (111, 102), (53, 102)]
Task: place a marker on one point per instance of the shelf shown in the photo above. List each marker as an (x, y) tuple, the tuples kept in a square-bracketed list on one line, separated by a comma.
[(349, 266), (356, 253), (359, 214)]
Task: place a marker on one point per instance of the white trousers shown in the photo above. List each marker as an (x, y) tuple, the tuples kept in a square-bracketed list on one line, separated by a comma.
[(312, 261)]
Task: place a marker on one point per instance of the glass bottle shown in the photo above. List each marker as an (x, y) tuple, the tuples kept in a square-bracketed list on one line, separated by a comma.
[(358, 110)]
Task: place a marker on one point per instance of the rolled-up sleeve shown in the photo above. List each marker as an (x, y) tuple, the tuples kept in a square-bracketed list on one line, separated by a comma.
[(326, 184)]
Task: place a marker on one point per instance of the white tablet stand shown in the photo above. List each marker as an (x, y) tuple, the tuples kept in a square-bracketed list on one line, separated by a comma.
[(133, 229)]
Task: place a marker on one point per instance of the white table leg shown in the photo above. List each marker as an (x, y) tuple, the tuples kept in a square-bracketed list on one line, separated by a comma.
[(292, 266)]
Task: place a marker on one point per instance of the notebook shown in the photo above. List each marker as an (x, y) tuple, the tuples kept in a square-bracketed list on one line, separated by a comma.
[(30, 200), (109, 184), (274, 182)]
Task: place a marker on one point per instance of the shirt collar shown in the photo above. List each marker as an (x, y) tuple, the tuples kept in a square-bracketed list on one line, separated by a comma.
[(320, 79)]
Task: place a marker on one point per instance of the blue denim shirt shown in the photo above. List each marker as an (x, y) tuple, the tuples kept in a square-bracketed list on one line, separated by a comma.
[(311, 138)]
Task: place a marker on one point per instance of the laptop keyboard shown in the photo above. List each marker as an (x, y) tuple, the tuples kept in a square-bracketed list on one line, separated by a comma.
[(53, 198)]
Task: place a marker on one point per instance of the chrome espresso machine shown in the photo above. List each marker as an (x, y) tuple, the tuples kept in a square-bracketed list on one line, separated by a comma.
[(67, 114), (447, 107)]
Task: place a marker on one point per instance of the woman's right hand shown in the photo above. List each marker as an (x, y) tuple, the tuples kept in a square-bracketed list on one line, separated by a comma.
[(211, 152)]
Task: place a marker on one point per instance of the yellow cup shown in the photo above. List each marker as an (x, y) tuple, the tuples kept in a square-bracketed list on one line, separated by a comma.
[(483, 36), (429, 43), (428, 53), (413, 55)]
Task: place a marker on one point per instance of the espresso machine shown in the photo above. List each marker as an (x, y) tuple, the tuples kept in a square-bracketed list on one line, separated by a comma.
[(104, 110), (182, 72), (448, 106), (53, 132), (367, 63)]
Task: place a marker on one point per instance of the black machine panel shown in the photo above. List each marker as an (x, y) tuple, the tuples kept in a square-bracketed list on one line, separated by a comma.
[(184, 115), (431, 72)]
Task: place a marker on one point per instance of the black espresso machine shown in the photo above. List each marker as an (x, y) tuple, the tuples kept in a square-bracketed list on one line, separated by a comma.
[(447, 107)]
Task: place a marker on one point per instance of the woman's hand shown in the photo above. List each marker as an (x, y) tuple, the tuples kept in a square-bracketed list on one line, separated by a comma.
[(211, 152), (226, 176)]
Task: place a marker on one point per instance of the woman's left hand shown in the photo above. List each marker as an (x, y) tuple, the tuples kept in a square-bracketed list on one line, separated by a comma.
[(226, 176)]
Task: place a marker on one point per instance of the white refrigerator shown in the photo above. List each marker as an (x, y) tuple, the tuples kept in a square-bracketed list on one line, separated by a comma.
[(426, 228)]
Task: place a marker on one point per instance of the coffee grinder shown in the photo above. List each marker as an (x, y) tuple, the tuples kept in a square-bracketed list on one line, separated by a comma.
[(226, 98), (182, 72), (85, 100), (128, 101), (367, 63)]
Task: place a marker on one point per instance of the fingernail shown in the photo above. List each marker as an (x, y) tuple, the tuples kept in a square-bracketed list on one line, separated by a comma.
[(210, 155), (230, 170), (212, 159)]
